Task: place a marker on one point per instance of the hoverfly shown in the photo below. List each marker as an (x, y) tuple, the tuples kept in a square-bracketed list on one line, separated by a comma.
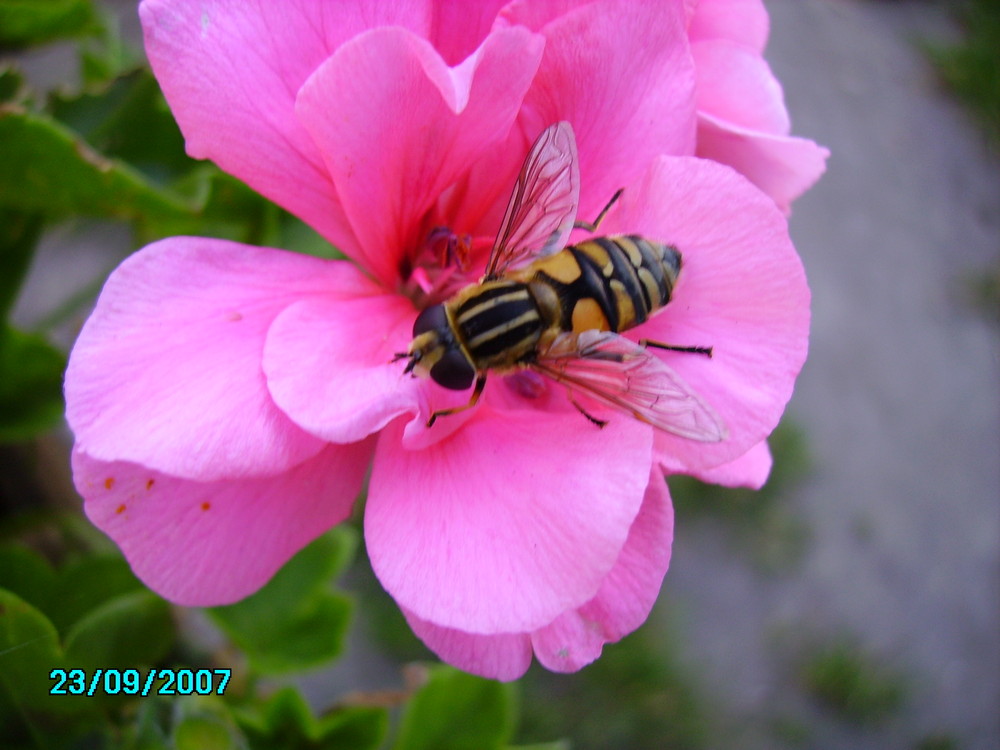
[(560, 315)]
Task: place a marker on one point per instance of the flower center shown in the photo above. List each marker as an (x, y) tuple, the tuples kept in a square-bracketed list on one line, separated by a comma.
[(439, 267)]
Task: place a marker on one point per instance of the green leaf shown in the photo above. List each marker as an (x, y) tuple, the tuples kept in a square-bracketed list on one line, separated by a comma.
[(29, 648), (30, 385), (205, 723), (12, 85), (224, 208), (457, 711), (132, 630), (299, 237), (51, 169), (24, 22), (295, 621), (107, 55), (285, 722), (29, 651), (128, 119), (27, 574), (19, 234), (282, 721), (147, 731), (354, 728), (86, 584)]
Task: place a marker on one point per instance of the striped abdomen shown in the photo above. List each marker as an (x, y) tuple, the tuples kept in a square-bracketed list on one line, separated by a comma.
[(604, 283)]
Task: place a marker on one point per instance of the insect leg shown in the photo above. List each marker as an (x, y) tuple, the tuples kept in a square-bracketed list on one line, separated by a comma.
[(706, 350), (602, 423), (600, 217), (480, 384)]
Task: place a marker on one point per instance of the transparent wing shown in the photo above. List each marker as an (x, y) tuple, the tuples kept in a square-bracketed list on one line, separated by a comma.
[(542, 207), (620, 373)]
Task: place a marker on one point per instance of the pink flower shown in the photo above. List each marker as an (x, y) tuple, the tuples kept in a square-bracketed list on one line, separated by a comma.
[(742, 120), (228, 400)]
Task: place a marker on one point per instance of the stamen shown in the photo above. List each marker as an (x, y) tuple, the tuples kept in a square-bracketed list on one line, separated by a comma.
[(439, 267)]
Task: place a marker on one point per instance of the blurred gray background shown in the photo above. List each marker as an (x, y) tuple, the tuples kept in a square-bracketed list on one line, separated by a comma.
[(899, 401)]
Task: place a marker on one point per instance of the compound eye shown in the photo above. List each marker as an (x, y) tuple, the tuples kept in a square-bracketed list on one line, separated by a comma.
[(432, 318), (453, 371)]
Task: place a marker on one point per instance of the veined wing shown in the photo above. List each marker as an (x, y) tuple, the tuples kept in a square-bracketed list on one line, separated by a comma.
[(543, 205), (624, 375)]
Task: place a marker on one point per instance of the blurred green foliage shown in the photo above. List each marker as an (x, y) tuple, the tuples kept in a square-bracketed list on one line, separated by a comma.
[(937, 742), (286, 723), (295, 622), (853, 683), (30, 22), (50, 168), (636, 696), (972, 67), (91, 613), (101, 622), (30, 369), (30, 384), (457, 711)]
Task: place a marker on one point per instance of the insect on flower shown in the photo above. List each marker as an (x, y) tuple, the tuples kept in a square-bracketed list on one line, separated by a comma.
[(560, 315)]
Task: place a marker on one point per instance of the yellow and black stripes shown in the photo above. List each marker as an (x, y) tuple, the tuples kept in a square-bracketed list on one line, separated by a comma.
[(607, 283), (500, 319)]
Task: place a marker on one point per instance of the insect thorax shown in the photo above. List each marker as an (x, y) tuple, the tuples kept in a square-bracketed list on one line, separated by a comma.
[(499, 323)]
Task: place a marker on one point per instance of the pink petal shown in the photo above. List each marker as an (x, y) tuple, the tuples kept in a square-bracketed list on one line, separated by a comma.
[(513, 519), (231, 70), (784, 167), (499, 657), (397, 126), (208, 543), (749, 470), (458, 27), (167, 371), (575, 638), (742, 290), (622, 74), (418, 436), (737, 86), (743, 21), (328, 365), (626, 596)]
